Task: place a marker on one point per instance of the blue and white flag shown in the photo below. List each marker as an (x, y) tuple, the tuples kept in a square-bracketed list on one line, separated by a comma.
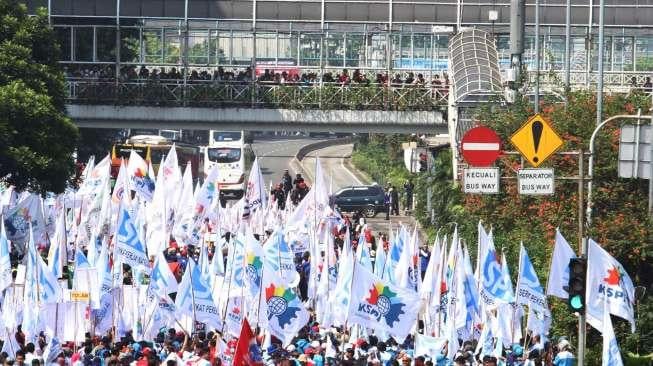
[(254, 258), (529, 290), (255, 194), (139, 173), (5, 262), (559, 271), (379, 305), (162, 281), (611, 355), (129, 248), (57, 254), (51, 351), (281, 258), (284, 312), (495, 285), (194, 298), (607, 282), (428, 346), (41, 287), (80, 260)]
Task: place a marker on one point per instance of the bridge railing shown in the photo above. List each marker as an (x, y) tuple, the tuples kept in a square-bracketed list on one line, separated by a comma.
[(258, 95), (614, 80)]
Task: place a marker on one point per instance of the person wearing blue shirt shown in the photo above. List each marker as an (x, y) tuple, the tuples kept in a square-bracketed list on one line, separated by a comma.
[(564, 356)]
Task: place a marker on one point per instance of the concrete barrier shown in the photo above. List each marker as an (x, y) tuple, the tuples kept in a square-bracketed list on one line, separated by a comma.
[(296, 162)]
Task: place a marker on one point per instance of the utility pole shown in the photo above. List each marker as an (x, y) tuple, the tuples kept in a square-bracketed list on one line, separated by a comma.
[(582, 244), (537, 56), (568, 46), (517, 28), (599, 84)]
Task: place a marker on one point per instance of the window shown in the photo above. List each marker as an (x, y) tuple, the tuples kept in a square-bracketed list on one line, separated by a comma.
[(644, 54), (309, 49), (83, 41), (130, 45), (63, 38), (172, 46), (355, 55), (198, 47), (106, 44), (223, 155), (153, 45), (334, 49), (242, 48), (348, 192)]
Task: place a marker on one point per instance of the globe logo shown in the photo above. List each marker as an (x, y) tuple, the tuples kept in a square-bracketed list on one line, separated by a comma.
[(383, 304), (277, 305), (251, 273)]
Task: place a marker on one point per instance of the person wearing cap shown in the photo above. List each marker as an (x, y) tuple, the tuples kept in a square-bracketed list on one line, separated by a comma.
[(564, 356)]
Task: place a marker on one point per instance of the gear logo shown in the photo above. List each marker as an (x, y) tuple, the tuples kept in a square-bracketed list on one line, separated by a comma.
[(386, 302), (279, 300)]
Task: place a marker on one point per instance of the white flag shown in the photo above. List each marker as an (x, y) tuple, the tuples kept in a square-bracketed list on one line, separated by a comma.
[(611, 355), (5, 262), (428, 346), (379, 305), (285, 312), (256, 195), (559, 272), (140, 177), (607, 281), (529, 290), (129, 248)]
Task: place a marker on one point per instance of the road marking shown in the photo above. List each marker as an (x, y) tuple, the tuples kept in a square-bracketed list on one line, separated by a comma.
[(342, 164)]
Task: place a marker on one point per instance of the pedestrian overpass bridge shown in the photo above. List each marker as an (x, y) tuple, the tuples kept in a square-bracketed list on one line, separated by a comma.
[(258, 106)]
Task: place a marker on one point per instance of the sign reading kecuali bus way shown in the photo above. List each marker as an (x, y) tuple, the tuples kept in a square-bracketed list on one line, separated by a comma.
[(481, 180)]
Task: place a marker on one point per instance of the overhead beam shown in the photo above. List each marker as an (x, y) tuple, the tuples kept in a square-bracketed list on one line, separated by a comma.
[(103, 116)]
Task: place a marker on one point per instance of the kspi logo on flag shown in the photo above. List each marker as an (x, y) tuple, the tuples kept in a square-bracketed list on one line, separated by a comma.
[(382, 303), (253, 268), (278, 300)]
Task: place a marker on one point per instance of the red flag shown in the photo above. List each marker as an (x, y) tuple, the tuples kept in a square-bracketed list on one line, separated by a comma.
[(247, 352)]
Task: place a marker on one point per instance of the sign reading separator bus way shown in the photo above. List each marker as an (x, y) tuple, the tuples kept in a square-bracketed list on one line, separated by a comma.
[(481, 180), (536, 181)]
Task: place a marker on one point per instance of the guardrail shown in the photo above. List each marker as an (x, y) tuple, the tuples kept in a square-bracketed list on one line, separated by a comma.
[(326, 96)]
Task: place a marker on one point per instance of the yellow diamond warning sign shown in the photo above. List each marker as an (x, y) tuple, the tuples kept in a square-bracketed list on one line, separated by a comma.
[(536, 140)]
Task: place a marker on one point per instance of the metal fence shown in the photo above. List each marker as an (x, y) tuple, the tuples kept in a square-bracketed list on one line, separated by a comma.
[(258, 95)]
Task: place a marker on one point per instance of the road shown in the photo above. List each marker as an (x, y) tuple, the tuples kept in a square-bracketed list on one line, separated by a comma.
[(332, 160), (275, 156)]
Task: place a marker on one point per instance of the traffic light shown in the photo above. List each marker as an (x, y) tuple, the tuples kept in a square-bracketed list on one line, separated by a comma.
[(576, 286)]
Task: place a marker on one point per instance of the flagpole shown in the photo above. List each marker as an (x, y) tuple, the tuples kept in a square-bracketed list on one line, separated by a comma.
[(514, 309), (231, 275), (192, 292)]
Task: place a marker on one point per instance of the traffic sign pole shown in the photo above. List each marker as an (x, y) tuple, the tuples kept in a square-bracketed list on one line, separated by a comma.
[(582, 243)]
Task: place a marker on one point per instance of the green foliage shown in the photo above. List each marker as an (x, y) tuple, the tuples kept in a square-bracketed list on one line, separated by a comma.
[(380, 157), (36, 138), (620, 220)]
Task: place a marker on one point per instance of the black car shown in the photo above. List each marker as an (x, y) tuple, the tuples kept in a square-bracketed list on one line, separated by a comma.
[(367, 199)]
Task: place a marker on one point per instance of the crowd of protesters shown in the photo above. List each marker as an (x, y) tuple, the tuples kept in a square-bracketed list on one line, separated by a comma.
[(291, 76)]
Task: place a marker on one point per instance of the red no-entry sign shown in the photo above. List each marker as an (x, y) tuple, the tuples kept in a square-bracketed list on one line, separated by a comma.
[(481, 146)]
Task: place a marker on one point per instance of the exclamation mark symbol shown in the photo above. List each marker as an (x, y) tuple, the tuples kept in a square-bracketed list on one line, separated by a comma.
[(536, 128)]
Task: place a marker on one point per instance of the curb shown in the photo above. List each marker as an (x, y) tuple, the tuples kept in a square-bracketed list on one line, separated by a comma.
[(296, 162)]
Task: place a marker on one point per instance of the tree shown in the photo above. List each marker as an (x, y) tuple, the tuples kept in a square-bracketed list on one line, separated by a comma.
[(37, 140)]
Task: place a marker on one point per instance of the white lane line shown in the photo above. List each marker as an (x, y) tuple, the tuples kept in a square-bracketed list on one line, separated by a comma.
[(342, 164)]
